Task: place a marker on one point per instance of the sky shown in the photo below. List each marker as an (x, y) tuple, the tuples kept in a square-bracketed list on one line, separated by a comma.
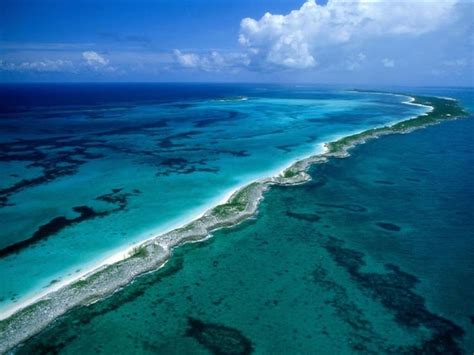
[(391, 42)]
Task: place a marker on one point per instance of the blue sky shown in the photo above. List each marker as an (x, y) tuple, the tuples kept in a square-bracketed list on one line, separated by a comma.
[(415, 42)]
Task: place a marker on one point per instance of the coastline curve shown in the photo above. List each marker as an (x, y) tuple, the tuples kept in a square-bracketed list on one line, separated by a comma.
[(32, 316)]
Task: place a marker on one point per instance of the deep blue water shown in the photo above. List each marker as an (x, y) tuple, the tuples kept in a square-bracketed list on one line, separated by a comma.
[(374, 255), (90, 169)]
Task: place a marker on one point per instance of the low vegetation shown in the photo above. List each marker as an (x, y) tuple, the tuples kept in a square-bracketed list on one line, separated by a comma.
[(442, 109), (139, 252), (289, 173), (237, 203)]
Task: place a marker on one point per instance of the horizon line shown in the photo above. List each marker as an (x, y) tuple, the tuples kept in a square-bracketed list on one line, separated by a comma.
[(225, 83)]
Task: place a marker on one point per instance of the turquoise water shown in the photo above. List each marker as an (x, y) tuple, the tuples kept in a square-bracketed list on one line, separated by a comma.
[(374, 255), (89, 170)]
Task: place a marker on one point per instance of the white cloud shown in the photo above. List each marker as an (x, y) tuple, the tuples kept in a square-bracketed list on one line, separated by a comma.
[(388, 63), (46, 65), (188, 60), (90, 60), (212, 61), (97, 61), (294, 40), (94, 59)]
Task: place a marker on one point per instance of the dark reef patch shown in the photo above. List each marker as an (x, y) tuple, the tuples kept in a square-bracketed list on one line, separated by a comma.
[(412, 179), (168, 141), (218, 339), (172, 162), (118, 198), (395, 291), (184, 135), (136, 128), (384, 182), (286, 147), (219, 117), (236, 153), (42, 348), (347, 310), (308, 217), (52, 227), (49, 229), (49, 174), (179, 165), (57, 157), (389, 226), (420, 170), (347, 207), (57, 224)]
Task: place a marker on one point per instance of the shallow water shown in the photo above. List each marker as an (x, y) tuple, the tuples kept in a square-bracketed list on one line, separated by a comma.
[(87, 170), (375, 254)]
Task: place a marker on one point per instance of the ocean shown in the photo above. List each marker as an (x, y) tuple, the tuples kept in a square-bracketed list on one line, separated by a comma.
[(375, 254), (88, 170)]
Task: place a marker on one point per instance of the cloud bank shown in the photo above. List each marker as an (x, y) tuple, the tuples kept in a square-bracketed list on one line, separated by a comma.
[(341, 41), (40, 66), (90, 61), (212, 61), (295, 40), (94, 59)]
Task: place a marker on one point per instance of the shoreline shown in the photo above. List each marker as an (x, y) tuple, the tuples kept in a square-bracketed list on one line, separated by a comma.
[(34, 314), (125, 252), (114, 258)]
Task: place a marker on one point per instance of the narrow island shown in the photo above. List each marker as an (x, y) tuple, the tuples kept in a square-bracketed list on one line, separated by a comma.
[(153, 253)]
